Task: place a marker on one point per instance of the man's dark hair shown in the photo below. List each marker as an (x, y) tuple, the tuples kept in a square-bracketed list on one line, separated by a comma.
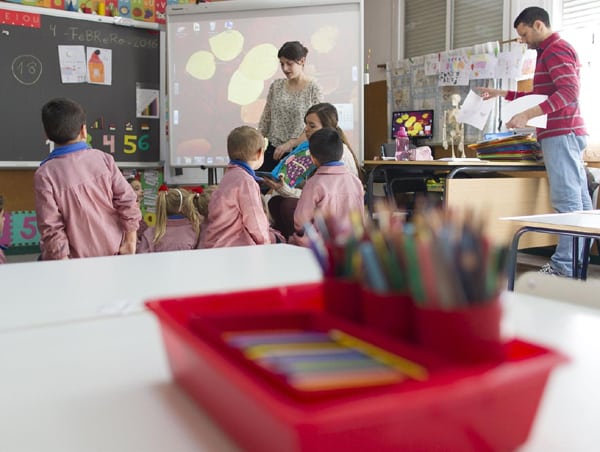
[(529, 15), (326, 145), (62, 119)]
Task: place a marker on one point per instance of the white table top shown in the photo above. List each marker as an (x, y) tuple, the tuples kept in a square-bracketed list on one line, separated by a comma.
[(586, 221), (104, 385), (38, 293)]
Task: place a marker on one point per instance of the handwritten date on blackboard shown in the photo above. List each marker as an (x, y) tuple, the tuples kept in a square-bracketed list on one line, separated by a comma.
[(95, 36)]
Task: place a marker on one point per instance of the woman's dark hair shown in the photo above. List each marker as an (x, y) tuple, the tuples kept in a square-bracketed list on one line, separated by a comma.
[(292, 50), (328, 115)]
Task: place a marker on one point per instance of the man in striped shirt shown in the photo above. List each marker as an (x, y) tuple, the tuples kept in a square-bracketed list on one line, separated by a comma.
[(564, 138)]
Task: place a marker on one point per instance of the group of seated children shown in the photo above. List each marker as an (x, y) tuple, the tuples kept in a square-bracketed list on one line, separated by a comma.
[(85, 206), (236, 214), (282, 204)]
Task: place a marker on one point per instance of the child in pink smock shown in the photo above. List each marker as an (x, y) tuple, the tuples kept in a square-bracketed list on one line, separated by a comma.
[(2, 256), (177, 223), (83, 203), (236, 215), (136, 184), (332, 189)]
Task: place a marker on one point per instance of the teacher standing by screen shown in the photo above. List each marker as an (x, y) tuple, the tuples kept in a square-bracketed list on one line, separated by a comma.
[(282, 120)]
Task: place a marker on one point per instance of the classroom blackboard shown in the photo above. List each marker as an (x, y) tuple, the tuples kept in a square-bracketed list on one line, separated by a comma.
[(122, 107)]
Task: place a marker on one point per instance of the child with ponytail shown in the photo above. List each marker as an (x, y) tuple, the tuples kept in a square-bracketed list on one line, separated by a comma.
[(177, 223)]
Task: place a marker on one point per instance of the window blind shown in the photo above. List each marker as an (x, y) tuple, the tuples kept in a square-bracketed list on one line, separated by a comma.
[(580, 13), (476, 21), (424, 27)]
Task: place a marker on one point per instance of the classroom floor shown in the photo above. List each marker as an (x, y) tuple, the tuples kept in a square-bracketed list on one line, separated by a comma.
[(525, 263), (529, 262)]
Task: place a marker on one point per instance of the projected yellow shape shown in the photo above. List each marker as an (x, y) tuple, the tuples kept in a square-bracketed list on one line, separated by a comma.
[(324, 39), (251, 113), (242, 90), (201, 65), (260, 63), (227, 44)]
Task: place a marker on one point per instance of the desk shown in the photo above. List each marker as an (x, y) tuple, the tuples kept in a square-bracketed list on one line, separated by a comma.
[(577, 225), (104, 385), (40, 293), (469, 184)]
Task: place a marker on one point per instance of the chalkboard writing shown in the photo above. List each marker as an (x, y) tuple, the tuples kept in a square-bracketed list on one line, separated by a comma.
[(122, 105)]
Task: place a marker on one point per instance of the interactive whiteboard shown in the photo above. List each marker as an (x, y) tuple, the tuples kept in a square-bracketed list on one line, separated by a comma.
[(222, 58)]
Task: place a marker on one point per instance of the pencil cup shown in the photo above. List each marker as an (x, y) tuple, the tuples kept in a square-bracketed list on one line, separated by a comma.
[(389, 313), (342, 297), (467, 335)]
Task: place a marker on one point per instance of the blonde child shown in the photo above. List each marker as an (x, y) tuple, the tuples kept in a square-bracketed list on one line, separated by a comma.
[(332, 189), (2, 256), (136, 184), (236, 216), (84, 205), (177, 223), (201, 200)]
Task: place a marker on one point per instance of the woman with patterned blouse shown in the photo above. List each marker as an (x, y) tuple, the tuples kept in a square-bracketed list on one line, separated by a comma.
[(282, 120)]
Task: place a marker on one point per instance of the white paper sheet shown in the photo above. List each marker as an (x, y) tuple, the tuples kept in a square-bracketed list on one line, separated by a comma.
[(475, 111), (509, 109), (72, 64)]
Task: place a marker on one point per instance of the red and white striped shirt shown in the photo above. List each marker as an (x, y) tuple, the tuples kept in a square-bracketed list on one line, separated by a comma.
[(557, 76)]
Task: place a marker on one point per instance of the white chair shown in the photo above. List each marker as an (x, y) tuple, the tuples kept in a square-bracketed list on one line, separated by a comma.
[(585, 293)]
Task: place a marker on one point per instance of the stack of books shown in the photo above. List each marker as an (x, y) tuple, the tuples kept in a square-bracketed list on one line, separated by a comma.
[(512, 147)]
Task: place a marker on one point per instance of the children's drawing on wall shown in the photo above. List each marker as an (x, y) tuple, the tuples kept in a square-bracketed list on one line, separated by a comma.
[(146, 98), (72, 64), (99, 65), (454, 70), (482, 66)]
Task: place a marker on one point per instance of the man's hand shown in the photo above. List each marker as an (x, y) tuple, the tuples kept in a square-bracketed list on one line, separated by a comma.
[(518, 121), (490, 93)]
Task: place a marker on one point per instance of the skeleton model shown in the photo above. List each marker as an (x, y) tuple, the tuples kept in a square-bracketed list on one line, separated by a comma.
[(453, 131)]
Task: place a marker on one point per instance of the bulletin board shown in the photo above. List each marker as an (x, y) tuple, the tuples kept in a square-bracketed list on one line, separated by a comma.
[(46, 53)]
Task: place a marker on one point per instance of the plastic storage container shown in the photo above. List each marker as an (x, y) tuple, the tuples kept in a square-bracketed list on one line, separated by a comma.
[(478, 407), (402, 144)]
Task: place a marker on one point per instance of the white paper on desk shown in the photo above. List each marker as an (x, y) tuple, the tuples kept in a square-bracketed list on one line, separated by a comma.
[(511, 108), (475, 110)]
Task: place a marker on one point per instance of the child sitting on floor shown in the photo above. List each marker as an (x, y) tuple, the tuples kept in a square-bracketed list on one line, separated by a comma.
[(177, 223), (83, 203), (332, 189), (236, 216)]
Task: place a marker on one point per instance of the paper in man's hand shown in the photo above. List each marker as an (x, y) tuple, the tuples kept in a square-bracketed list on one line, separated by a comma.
[(475, 110), (509, 109)]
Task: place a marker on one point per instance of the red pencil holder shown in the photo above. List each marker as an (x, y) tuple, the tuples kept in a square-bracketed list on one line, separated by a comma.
[(342, 298), (466, 335), (389, 313)]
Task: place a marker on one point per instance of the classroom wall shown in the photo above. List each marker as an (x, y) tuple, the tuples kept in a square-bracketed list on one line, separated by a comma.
[(380, 24)]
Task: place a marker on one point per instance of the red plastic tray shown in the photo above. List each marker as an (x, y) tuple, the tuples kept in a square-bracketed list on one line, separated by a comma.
[(484, 407)]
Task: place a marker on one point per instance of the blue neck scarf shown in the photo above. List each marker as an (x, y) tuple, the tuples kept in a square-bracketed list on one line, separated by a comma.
[(64, 150), (334, 163), (177, 216), (246, 168)]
